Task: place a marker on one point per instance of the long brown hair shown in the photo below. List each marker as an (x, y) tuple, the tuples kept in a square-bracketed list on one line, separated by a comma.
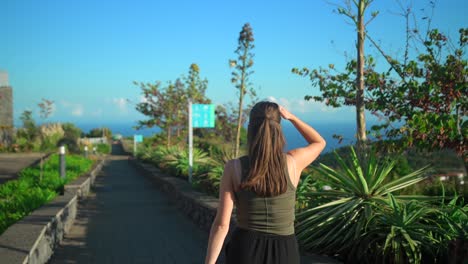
[(265, 139)]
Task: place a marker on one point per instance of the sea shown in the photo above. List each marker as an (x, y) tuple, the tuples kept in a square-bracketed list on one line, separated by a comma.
[(294, 139)]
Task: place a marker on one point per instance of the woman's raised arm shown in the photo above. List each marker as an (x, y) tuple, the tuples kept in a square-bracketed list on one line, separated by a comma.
[(307, 154)]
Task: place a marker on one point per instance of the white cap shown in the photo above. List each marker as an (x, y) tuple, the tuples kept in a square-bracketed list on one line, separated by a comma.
[(62, 150)]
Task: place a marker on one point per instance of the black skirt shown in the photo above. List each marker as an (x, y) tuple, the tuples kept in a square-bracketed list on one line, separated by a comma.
[(248, 246)]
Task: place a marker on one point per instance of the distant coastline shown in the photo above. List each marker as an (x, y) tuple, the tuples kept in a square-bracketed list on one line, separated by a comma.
[(293, 138)]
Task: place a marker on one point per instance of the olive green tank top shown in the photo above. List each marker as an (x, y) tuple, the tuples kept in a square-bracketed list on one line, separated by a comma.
[(265, 214)]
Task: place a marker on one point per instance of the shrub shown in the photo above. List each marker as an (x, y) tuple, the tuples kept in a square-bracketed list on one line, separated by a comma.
[(103, 148), (32, 188), (339, 222)]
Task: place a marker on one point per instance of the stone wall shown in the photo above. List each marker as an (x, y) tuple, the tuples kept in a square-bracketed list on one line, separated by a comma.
[(199, 207), (34, 238)]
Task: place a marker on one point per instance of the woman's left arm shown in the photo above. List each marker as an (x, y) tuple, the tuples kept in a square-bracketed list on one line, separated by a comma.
[(220, 226)]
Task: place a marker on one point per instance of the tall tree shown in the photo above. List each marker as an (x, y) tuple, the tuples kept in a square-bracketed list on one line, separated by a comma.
[(166, 106), (179, 96), (159, 106), (29, 125), (196, 87), (421, 99), (241, 74), (354, 10)]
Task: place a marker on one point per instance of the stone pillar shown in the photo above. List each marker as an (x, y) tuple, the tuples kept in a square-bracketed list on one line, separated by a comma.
[(6, 110)]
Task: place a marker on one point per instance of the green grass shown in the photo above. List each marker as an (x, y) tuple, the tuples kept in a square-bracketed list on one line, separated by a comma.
[(32, 189), (103, 148)]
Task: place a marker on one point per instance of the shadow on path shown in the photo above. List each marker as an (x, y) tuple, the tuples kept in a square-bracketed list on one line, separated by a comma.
[(127, 220)]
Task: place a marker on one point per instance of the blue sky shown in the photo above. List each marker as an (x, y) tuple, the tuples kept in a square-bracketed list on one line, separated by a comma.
[(85, 54)]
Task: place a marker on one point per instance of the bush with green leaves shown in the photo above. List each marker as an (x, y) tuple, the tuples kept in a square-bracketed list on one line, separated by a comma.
[(35, 187), (347, 214), (103, 148), (208, 179), (402, 232), (454, 218), (176, 160)]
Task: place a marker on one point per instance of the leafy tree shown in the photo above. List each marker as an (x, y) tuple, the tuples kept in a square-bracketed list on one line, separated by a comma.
[(71, 131), (225, 124), (179, 97), (241, 74), (99, 132), (428, 96), (159, 106), (29, 125), (166, 106)]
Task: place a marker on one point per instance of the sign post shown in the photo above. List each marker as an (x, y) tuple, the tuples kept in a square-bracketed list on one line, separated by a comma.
[(190, 140), (200, 116), (136, 139)]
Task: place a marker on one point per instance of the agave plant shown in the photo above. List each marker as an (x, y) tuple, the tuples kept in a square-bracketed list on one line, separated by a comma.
[(144, 152), (402, 232), (359, 189), (209, 180), (306, 185), (178, 161), (454, 216)]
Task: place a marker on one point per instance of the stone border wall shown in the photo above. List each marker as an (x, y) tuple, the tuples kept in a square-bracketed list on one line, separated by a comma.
[(201, 208), (34, 238)]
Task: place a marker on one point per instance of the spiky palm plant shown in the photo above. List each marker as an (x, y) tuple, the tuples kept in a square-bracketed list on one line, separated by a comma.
[(402, 232), (359, 188), (177, 160), (454, 216)]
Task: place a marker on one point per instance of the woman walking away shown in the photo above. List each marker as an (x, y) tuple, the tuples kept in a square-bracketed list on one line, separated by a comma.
[(262, 185)]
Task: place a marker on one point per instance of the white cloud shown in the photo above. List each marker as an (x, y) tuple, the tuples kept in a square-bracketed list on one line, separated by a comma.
[(311, 108), (75, 108), (298, 105), (121, 103)]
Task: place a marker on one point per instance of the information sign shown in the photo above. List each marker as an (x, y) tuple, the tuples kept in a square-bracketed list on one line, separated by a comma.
[(203, 115)]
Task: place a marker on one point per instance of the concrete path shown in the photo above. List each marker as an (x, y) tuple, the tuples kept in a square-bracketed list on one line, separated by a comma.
[(12, 163), (127, 220)]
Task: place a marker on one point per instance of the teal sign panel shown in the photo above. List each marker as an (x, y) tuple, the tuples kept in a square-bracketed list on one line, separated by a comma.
[(138, 138), (203, 115)]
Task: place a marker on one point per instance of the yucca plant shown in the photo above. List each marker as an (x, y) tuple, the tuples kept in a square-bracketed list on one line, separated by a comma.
[(208, 181), (359, 189), (403, 232), (454, 216), (177, 160), (144, 152), (307, 184)]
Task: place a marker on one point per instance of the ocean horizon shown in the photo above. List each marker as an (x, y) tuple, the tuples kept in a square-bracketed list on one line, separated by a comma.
[(293, 138)]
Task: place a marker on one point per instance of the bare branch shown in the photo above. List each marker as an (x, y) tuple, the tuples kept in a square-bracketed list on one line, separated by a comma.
[(387, 58), (372, 18)]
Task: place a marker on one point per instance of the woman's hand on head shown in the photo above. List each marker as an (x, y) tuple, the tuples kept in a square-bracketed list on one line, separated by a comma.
[(285, 113)]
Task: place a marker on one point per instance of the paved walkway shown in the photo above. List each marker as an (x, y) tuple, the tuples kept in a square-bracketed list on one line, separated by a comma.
[(127, 220), (12, 163)]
